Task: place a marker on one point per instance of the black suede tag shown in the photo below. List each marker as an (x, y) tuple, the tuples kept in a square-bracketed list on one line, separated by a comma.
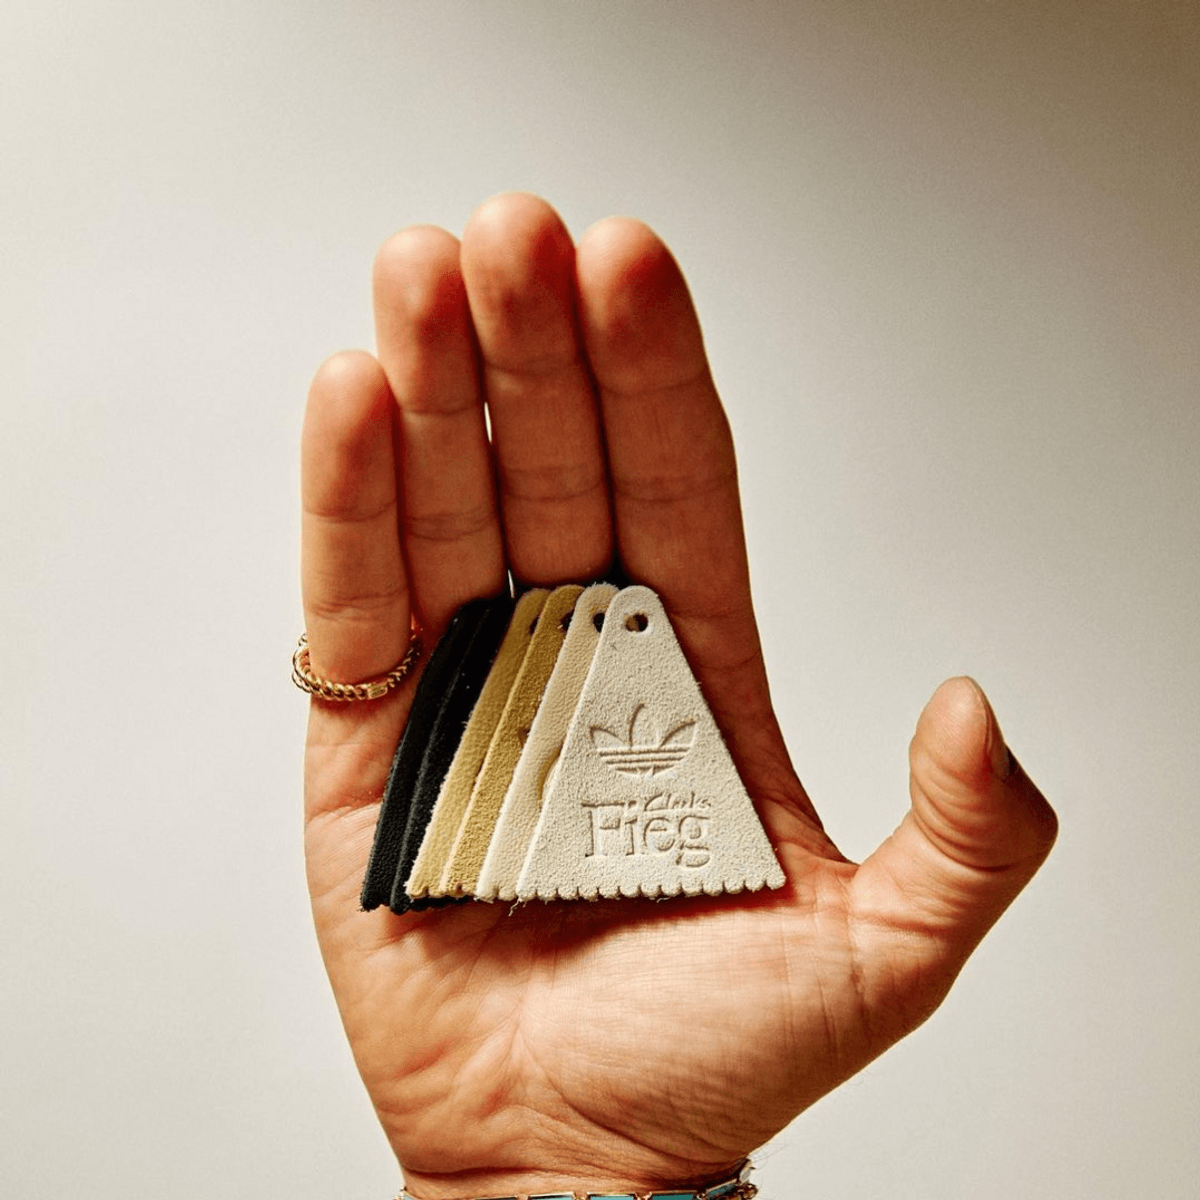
[(461, 693), (444, 664)]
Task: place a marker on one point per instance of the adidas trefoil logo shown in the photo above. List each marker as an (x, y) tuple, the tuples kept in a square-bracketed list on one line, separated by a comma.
[(643, 752)]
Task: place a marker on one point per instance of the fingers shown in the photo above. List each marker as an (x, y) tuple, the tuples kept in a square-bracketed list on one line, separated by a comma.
[(674, 480), (450, 521), (578, 353), (976, 833), (518, 262), (354, 584)]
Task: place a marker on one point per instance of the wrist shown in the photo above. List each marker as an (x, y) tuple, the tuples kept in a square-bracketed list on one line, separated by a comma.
[(730, 1183)]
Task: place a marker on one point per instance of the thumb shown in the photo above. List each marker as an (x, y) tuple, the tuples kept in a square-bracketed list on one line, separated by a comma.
[(976, 833)]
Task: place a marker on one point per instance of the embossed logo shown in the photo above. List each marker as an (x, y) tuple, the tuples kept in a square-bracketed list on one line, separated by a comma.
[(666, 825), (643, 752)]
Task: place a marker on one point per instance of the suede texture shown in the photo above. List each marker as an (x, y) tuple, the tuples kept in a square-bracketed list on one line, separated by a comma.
[(444, 663), (462, 694), (454, 794), (479, 820)]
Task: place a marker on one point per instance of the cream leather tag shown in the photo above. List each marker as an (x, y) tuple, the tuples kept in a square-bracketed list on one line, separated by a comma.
[(523, 801), (646, 799), (455, 793), (524, 698)]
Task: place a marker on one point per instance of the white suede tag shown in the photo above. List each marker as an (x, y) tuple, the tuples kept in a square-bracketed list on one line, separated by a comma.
[(523, 801), (524, 699), (645, 799)]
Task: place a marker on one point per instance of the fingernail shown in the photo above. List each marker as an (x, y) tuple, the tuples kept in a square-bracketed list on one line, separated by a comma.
[(999, 755)]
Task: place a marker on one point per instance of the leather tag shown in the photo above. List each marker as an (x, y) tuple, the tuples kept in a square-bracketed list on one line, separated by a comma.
[(443, 664), (445, 735), (646, 799), (479, 821), (455, 792), (518, 817)]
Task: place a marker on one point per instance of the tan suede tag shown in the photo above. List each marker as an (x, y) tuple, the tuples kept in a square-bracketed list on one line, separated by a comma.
[(646, 798), (525, 696), (455, 793), (518, 817)]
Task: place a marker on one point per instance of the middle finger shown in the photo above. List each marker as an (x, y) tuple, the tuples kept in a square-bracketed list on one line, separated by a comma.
[(518, 262)]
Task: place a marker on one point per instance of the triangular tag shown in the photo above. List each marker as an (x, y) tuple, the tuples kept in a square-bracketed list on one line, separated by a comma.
[(518, 817), (455, 792), (646, 799), (479, 821), (444, 737), (444, 663)]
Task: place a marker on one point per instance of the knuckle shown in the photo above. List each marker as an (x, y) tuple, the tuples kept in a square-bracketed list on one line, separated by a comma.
[(356, 608), (552, 482), (448, 525), (667, 487)]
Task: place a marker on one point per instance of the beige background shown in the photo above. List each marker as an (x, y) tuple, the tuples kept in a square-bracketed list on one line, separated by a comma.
[(947, 259)]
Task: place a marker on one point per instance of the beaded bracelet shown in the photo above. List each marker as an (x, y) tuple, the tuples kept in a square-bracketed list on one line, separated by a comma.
[(738, 1187)]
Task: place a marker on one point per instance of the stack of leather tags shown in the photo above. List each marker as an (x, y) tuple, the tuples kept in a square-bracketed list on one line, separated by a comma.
[(559, 748)]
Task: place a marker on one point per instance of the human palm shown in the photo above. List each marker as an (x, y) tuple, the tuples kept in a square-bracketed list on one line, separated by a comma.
[(621, 1043)]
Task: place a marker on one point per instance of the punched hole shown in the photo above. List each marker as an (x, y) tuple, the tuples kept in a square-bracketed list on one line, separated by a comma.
[(598, 621), (637, 623)]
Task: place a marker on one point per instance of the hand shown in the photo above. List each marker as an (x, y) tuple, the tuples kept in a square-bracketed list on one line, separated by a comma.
[(623, 1043)]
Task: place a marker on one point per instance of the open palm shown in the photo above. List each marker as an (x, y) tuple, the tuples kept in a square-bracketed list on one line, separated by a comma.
[(620, 1043)]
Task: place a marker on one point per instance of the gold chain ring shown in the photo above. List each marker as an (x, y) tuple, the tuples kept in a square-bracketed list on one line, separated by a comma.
[(372, 689)]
